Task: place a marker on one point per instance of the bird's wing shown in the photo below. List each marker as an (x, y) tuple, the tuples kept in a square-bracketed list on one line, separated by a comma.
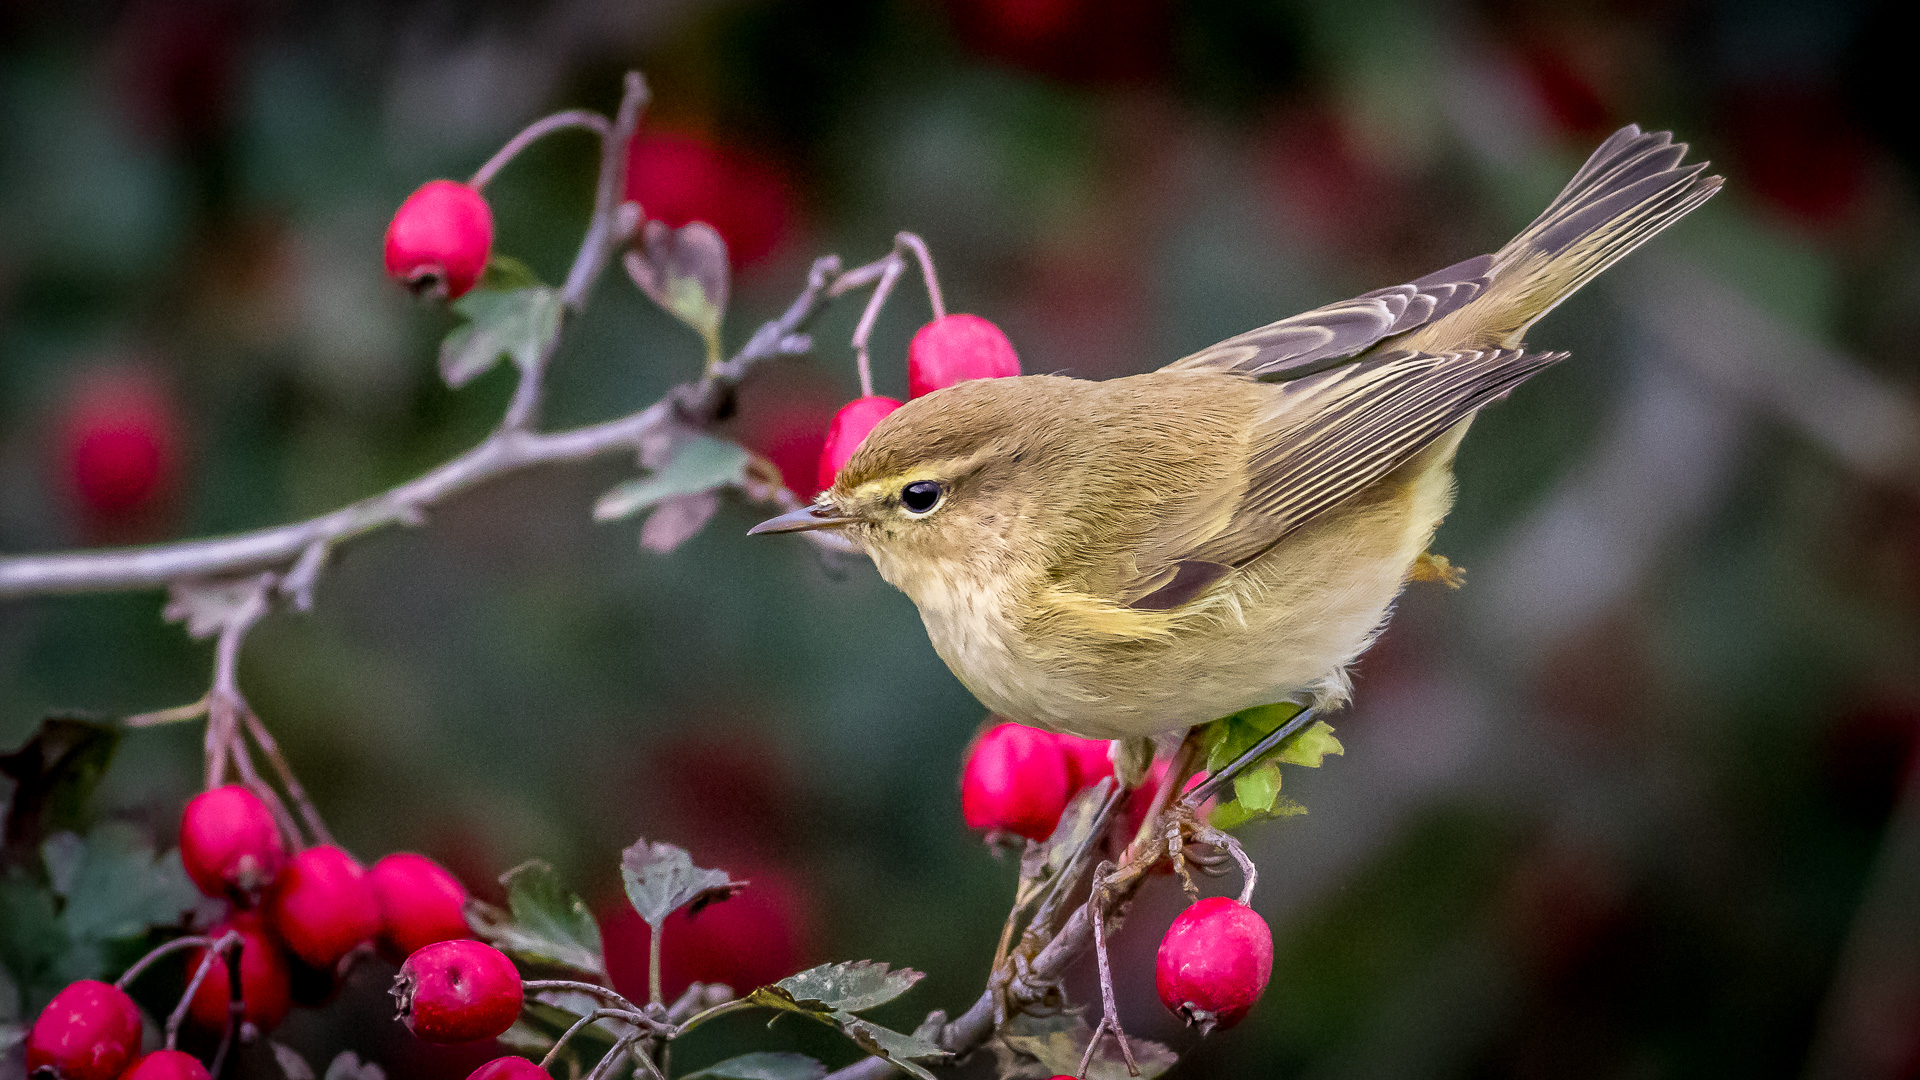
[(1313, 341), (1327, 437)]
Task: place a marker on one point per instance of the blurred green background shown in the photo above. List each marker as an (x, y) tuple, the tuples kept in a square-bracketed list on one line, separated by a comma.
[(1637, 802)]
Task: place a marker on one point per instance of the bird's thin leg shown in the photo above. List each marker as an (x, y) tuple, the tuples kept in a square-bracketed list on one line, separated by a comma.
[(1109, 1013)]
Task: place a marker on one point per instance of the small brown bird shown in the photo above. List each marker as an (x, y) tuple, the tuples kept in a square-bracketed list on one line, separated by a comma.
[(1133, 557)]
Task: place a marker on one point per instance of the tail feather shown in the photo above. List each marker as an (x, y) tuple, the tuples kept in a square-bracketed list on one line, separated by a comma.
[(1633, 186)]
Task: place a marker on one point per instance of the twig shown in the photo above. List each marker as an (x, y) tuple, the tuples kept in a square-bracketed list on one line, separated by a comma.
[(534, 132), (236, 1009), (601, 239), (602, 992), (921, 255), (141, 965), (1110, 1012), (308, 812), (597, 1014), (223, 701), (226, 941)]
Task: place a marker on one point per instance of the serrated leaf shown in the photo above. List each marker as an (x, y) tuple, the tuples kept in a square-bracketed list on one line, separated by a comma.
[(699, 464), (1311, 746), (292, 1065), (517, 324), (117, 888), (685, 271), (545, 922), (902, 1049), (505, 273), (1232, 815), (661, 878), (1231, 736), (764, 1065), (849, 987), (54, 774), (1032, 1047)]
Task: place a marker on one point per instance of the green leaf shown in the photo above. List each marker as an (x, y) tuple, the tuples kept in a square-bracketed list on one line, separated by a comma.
[(517, 324), (765, 1065), (850, 987), (117, 888), (1031, 1047), (505, 273), (1258, 787), (699, 465), (54, 774), (903, 1050), (545, 922), (661, 879), (31, 936), (1309, 747), (1229, 737), (685, 271)]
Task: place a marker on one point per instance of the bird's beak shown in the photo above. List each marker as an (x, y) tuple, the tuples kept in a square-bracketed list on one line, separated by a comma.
[(805, 519)]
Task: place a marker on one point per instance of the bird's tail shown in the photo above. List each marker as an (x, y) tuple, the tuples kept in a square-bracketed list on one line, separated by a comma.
[(1632, 187)]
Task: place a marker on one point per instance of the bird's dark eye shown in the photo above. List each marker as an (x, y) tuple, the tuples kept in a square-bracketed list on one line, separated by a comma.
[(920, 496)]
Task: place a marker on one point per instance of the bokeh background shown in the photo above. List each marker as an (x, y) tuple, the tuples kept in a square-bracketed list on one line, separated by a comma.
[(1637, 802)]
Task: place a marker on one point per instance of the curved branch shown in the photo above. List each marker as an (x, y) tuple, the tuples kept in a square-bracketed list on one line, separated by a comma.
[(532, 133)]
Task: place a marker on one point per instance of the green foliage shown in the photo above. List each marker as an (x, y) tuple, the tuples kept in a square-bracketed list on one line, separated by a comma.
[(685, 271), (1033, 1047), (54, 774), (699, 464), (1256, 790), (544, 923), (661, 879), (765, 1065), (518, 324), (831, 992)]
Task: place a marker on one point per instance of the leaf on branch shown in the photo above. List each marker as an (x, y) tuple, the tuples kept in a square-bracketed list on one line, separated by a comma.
[(545, 922), (114, 886), (517, 323), (699, 464), (1032, 1047), (505, 273), (851, 987), (54, 774), (1256, 791), (661, 879), (347, 1066), (685, 271), (905, 1051), (764, 1065)]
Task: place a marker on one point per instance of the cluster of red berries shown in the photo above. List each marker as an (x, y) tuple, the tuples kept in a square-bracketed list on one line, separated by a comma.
[(1019, 779), (948, 350), (310, 908)]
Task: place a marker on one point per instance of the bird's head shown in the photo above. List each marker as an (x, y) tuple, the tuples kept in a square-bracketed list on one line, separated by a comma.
[(945, 487)]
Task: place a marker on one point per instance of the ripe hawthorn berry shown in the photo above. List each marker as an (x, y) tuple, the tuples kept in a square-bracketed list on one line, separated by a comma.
[(420, 903), (119, 445), (322, 906), (230, 843), (955, 348), (677, 179), (1214, 963), (1089, 761), (1015, 780), (167, 1065), (266, 980), (458, 991), (89, 1031), (439, 239), (849, 428), (509, 1068)]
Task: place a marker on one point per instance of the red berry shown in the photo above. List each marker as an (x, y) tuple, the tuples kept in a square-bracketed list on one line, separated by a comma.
[(167, 1065), (849, 428), (508, 1068), (266, 979), (439, 239), (1214, 962), (458, 991), (322, 906), (120, 441), (1015, 780), (420, 903), (89, 1031), (677, 179), (1089, 761), (230, 843), (955, 348)]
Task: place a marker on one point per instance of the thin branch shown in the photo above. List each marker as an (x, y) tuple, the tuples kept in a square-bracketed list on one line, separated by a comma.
[(597, 1014), (918, 247), (141, 965), (595, 989), (601, 240), (309, 813), (223, 701), (534, 132), (227, 941)]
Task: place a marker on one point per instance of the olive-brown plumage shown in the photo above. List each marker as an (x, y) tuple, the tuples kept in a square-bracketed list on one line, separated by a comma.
[(1132, 557)]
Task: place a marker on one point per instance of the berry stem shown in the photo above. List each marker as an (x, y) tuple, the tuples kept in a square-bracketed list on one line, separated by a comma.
[(236, 1011), (597, 1014), (654, 994), (918, 247), (602, 992), (308, 812), (534, 132), (141, 965), (228, 940)]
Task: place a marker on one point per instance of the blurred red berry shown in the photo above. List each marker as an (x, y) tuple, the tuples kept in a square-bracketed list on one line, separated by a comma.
[(1214, 963), (120, 437), (1080, 40), (955, 348), (458, 991), (1088, 760), (266, 981), (1798, 148), (230, 843), (677, 179), (1015, 780), (1564, 90), (167, 1065), (756, 938), (439, 239), (509, 1068), (89, 1031), (847, 430), (420, 903), (322, 906)]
